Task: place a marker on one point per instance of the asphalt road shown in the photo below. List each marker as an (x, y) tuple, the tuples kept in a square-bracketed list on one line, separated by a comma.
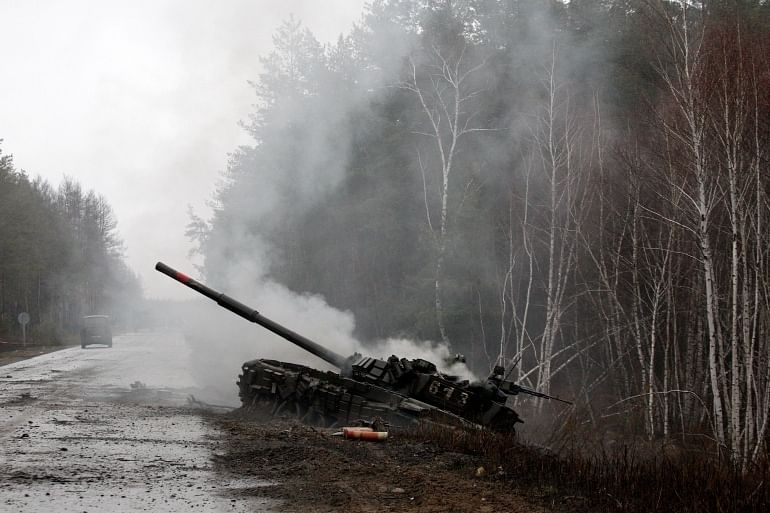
[(98, 429)]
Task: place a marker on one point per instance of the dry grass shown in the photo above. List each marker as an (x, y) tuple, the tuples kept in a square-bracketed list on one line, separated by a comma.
[(624, 479)]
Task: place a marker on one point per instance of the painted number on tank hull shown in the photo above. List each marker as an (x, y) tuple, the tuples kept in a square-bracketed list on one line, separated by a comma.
[(445, 392)]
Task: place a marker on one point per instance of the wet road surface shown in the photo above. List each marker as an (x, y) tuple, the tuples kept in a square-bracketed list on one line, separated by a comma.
[(100, 429)]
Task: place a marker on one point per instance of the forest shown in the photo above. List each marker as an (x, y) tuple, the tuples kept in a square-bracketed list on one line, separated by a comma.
[(578, 187), (60, 258)]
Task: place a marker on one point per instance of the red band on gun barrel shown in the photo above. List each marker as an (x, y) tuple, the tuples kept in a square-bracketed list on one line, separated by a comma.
[(182, 277)]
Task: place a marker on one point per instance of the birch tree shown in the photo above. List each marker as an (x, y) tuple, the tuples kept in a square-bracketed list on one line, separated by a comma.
[(556, 137), (444, 87), (712, 118), (681, 71)]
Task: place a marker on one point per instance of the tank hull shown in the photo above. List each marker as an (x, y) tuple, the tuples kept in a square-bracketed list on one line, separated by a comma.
[(329, 399)]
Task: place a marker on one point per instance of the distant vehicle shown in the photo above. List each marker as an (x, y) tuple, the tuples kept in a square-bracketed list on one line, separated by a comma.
[(96, 330)]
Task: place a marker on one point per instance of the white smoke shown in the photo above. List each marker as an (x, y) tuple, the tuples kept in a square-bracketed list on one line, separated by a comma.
[(222, 342)]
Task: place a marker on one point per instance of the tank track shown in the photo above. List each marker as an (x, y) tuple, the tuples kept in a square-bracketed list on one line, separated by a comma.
[(328, 399)]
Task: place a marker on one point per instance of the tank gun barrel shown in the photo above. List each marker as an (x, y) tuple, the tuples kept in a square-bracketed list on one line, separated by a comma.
[(254, 316), (511, 388)]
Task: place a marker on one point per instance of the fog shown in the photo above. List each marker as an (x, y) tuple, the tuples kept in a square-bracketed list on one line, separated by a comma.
[(141, 101)]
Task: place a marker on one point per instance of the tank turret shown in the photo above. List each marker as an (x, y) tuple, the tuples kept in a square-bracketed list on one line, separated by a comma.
[(398, 390)]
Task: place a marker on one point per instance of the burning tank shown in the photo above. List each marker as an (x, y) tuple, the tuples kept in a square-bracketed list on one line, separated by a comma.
[(397, 390)]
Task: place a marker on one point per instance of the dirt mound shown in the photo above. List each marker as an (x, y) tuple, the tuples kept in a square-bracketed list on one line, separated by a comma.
[(318, 472)]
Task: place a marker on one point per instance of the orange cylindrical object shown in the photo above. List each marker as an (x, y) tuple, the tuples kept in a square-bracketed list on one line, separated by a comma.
[(356, 428), (371, 436)]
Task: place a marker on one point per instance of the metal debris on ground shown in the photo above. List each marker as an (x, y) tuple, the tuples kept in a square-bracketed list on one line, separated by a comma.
[(193, 401)]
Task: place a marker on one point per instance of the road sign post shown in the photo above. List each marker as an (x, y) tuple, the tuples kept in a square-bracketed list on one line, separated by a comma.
[(24, 320)]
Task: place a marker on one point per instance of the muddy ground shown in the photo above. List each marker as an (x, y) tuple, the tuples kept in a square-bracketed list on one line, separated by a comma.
[(127, 429), (314, 470)]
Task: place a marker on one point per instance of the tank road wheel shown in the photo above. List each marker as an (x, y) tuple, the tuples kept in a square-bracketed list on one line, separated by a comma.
[(261, 401), (288, 407), (261, 404), (280, 404), (292, 408), (312, 417)]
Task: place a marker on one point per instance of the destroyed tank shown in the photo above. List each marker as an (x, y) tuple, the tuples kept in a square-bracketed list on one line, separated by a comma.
[(395, 390)]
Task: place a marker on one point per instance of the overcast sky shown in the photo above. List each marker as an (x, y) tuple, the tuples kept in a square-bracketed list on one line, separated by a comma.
[(140, 100)]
